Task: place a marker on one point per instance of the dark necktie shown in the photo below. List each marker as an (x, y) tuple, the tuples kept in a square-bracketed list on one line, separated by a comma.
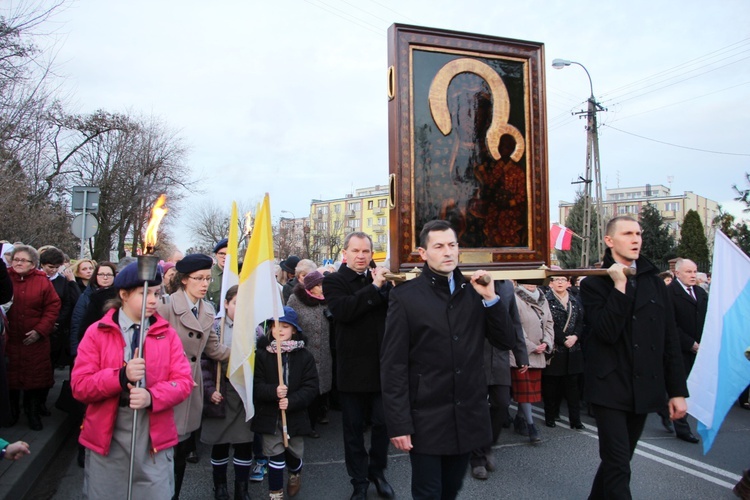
[(195, 311), (135, 339), (690, 292)]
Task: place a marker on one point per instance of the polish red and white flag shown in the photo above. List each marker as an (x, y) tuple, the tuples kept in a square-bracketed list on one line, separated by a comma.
[(561, 236)]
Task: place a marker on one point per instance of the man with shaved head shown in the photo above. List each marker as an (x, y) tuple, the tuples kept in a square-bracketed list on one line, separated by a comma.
[(690, 303), (632, 354)]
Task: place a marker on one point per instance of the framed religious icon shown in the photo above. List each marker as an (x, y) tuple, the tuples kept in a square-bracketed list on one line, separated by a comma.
[(467, 144)]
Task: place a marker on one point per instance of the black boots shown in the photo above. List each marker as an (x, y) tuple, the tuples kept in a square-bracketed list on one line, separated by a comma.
[(220, 490), (240, 491), (32, 408)]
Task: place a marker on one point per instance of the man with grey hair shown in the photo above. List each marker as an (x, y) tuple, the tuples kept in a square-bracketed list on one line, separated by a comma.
[(690, 303), (357, 296)]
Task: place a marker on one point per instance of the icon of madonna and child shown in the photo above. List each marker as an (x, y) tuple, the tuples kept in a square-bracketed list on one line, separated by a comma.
[(469, 154)]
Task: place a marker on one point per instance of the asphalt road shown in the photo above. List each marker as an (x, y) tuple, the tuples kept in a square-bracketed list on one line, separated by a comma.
[(560, 467)]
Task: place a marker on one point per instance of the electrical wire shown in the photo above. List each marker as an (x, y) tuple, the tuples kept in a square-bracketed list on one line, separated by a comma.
[(680, 102), (352, 19), (398, 13), (670, 84), (676, 145), (679, 66)]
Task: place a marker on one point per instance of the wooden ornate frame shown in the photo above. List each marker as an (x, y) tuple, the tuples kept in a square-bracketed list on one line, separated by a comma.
[(512, 73)]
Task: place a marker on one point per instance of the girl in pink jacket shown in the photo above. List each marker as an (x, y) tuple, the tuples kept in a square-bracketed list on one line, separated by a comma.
[(105, 375)]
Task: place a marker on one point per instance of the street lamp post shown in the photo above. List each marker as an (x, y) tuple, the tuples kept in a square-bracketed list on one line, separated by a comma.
[(592, 163)]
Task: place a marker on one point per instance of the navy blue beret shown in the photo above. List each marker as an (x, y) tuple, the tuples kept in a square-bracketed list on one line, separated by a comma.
[(128, 277), (221, 244), (194, 262)]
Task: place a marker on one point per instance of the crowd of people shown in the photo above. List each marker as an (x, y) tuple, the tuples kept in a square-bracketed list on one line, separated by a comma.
[(438, 386)]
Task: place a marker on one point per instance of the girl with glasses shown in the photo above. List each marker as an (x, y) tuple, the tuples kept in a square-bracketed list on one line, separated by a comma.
[(193, 318)]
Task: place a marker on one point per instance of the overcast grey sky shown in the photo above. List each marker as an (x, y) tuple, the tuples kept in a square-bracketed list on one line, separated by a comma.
[(289, 97)]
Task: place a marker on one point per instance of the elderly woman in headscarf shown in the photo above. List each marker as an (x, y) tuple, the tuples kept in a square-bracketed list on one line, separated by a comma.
[(308, 301), (538, 331), (31, 320)]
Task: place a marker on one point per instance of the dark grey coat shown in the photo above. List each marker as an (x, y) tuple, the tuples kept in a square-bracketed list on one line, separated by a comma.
[(497, 361)]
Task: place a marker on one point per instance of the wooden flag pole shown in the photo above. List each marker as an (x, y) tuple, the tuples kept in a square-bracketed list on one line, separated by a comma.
[(218, 363), (284, 435)]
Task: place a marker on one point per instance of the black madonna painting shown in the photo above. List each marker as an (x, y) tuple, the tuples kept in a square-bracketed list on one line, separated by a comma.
[(467, 145)]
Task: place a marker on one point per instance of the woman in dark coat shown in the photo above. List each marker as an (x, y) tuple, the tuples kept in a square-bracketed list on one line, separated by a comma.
[(560, 378), (31, 321), (91, 304), (83, 270)]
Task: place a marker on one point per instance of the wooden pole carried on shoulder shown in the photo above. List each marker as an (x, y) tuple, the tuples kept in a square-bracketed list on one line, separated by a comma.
[(523, 275)]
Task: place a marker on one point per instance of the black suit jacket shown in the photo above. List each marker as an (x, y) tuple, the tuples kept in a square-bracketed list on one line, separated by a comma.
[(632, 350), (689, 317), (359, 311)]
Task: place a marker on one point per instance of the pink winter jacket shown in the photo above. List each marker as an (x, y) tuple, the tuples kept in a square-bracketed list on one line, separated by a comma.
[(95, 381)]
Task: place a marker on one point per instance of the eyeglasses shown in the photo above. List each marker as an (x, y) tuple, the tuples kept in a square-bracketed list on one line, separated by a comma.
[(197, 278), (559, 279), (105, 275), (22, 261)]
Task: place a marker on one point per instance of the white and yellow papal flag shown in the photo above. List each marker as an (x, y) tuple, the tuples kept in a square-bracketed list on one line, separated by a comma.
[(258, 299)]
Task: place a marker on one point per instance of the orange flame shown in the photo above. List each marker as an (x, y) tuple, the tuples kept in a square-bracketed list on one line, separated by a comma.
[(249, 219), (157, 214)]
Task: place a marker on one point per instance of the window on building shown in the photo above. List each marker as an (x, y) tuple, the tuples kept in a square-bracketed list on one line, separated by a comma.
[(337, 209), (383, 203), (382, 221), (337, 225), (354, 206), (369, 222), (369, 204), (622, 210), (322, 226), (353, 223), (382, 238), (672, 205)]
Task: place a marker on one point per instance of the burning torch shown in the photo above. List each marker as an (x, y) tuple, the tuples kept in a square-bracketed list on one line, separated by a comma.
[(147, 268)]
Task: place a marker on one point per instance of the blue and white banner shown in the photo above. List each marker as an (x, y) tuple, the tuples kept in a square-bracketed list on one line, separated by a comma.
[(721, 370)]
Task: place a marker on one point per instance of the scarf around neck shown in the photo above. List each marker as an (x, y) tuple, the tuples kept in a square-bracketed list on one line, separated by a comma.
[(286, 346)]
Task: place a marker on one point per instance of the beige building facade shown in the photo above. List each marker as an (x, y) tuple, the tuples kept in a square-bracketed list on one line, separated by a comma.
[(631, 200)]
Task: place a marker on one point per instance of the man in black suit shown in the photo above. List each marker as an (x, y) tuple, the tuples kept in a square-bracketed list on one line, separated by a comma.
[(357, 296), (632, 354), (690, 303)]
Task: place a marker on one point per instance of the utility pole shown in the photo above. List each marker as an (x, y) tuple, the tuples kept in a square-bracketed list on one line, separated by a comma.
[(593, 172), (593, 166)]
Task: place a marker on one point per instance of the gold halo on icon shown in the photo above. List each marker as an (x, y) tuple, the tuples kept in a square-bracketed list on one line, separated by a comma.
[(499, 125)]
